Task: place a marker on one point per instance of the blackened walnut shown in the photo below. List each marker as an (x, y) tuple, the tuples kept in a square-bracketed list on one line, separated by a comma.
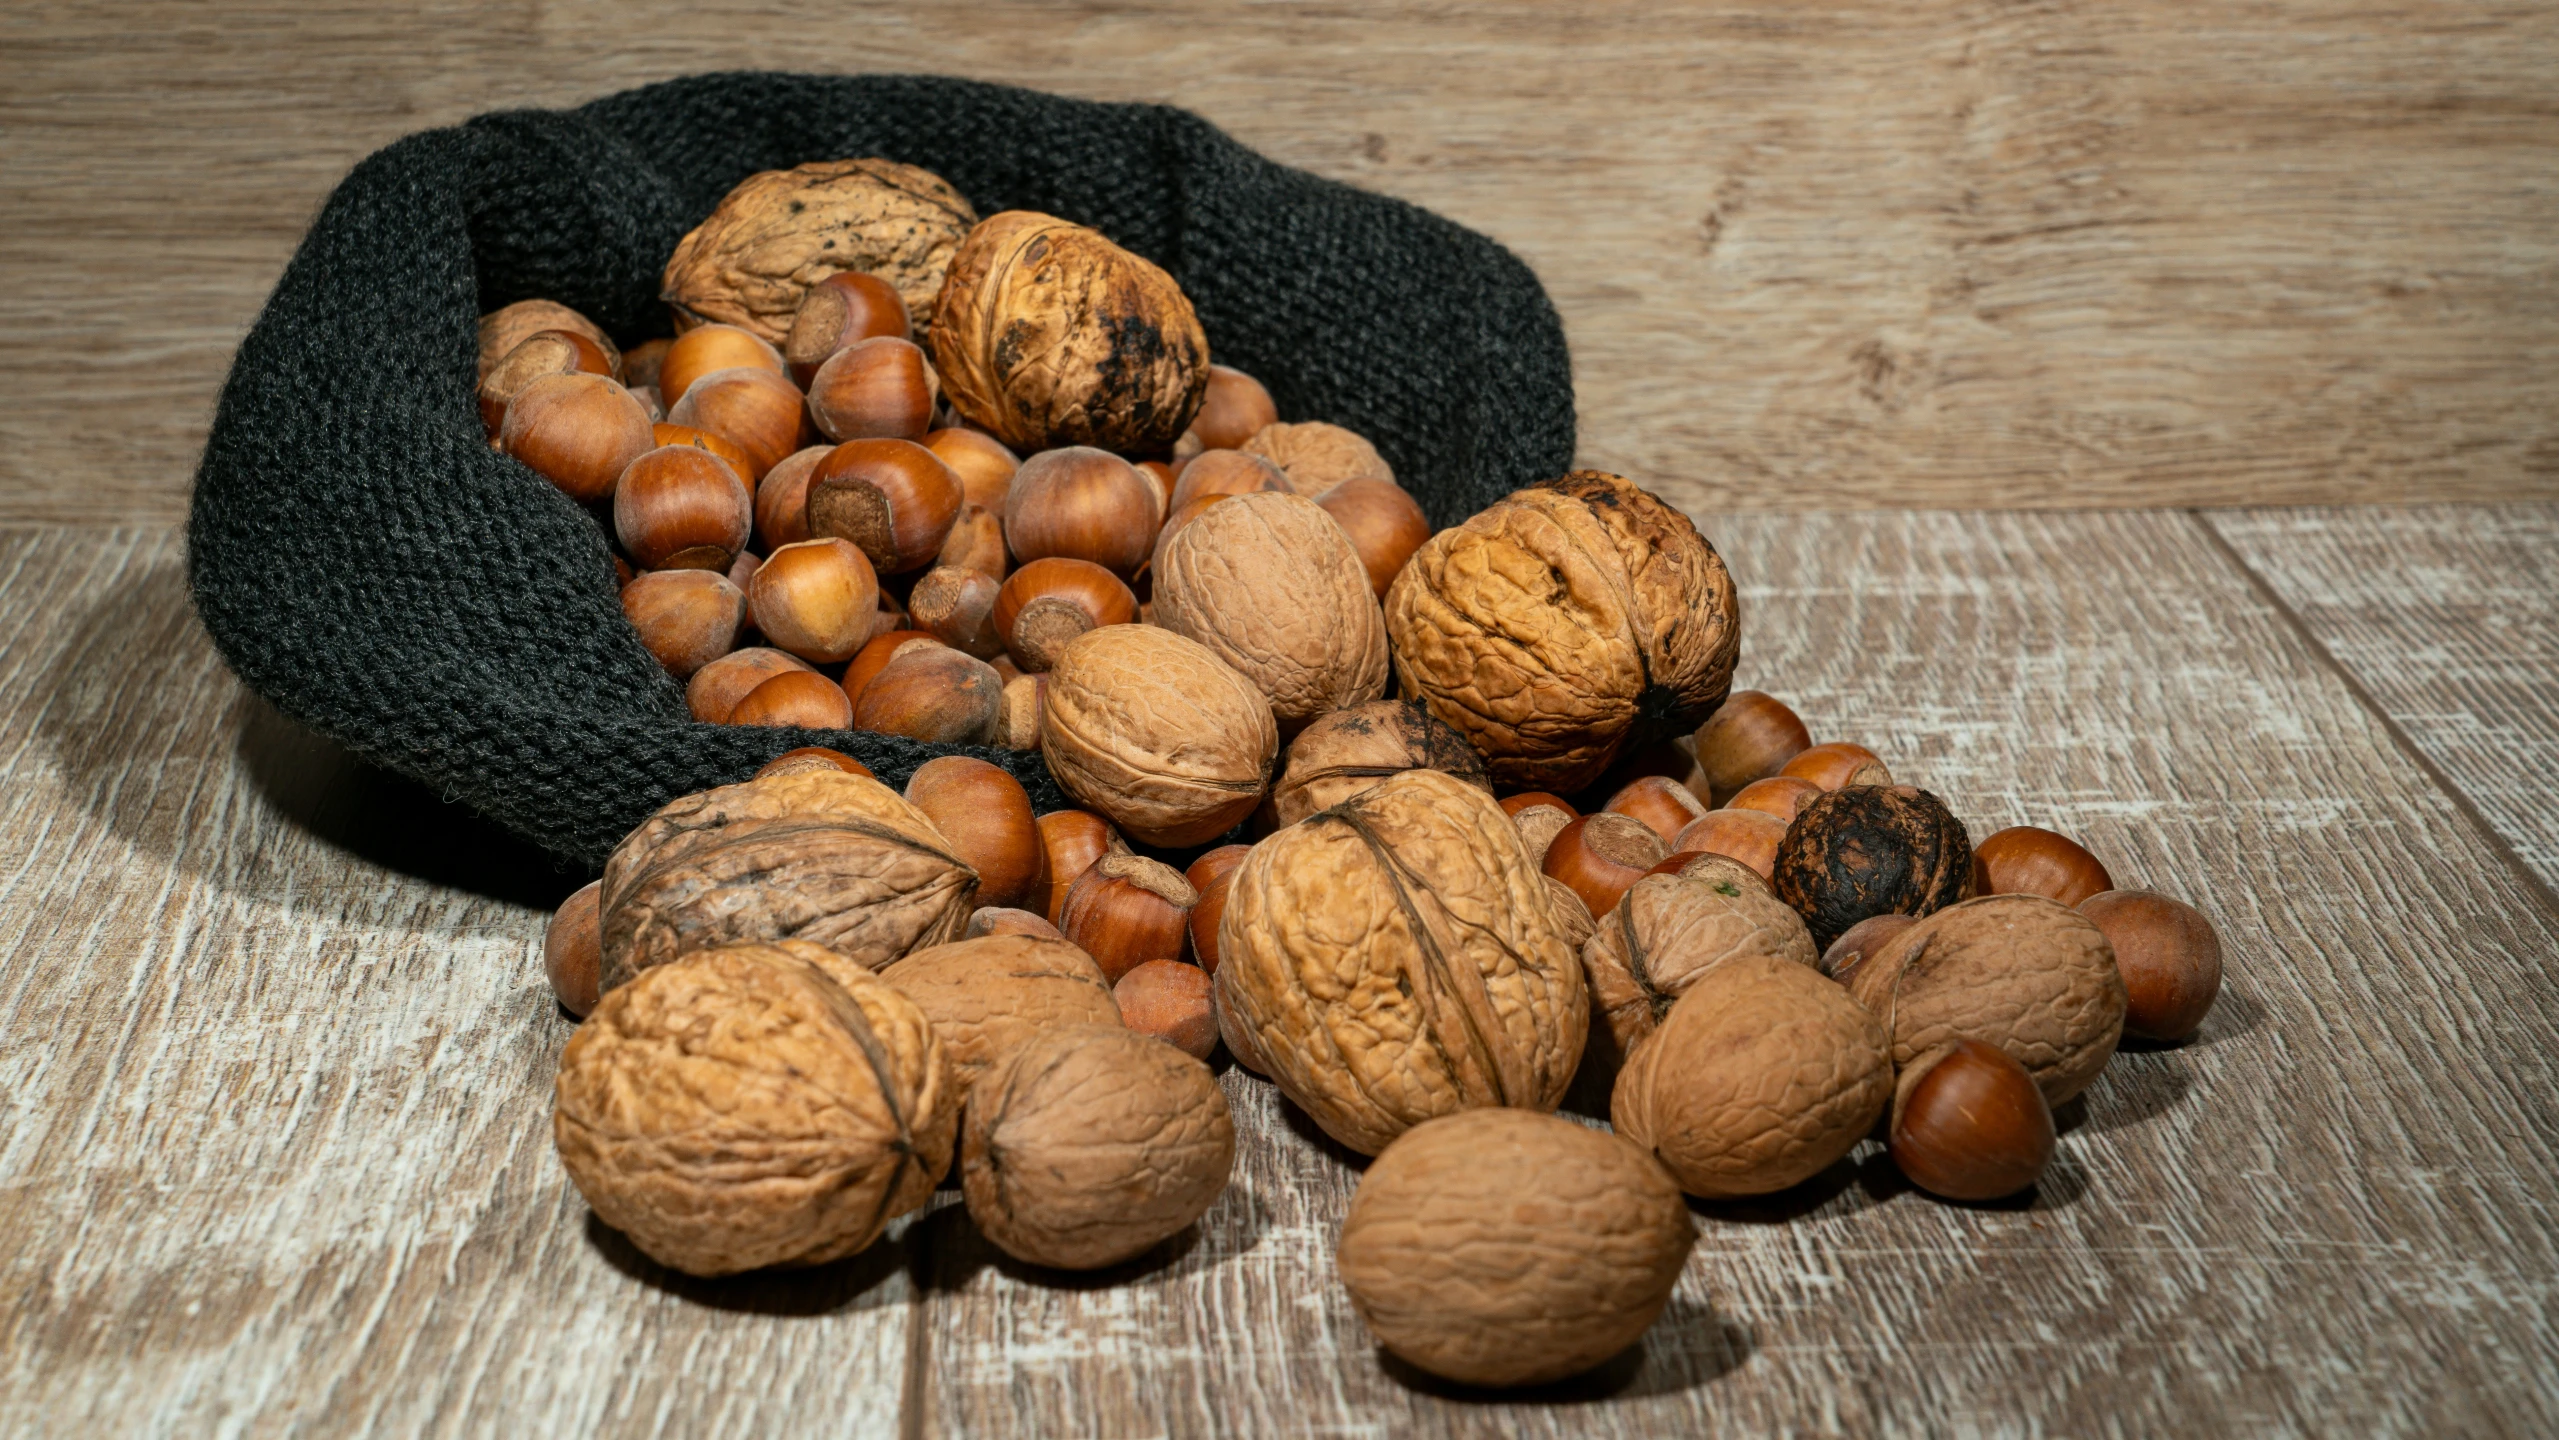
[(1871, 850)]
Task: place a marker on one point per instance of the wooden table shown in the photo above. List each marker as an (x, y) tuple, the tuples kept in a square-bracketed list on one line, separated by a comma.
[(275, 1051)]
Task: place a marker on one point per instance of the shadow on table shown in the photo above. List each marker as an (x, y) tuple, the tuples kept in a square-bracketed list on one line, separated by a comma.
[(848, 1284), (946, 1251), (1688, 1346), (2060, 1187)]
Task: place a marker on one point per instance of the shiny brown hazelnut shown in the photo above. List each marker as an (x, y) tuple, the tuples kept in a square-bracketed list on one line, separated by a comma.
[(986, 815), (795, 697), (1601, 856), (1017, 727), (1660, 802), (956, 605), (1234, 410), (813, 757), (894, 498), (742, 570), (2168, 955), (1171, 1001), (1211, 875), (544, 352), (983, 463), (1126, 910), (686, 618), (1080, 503), (878, 389), (2025, 860), (580, 432), (716, 688), (1385, 524), (1969, 1123), (1162, 474), (573, 950), (844, 309), (1073, 841), (815, 599), (708, 349), (757, 410), (502, 329), (1783, 796), (679, 508), (1861, 940), (782, 498), (976, 542), (641, 363), (999, 920), (739, 460), (1228, 472), (1749, 836), (1750, 737), (932, 693), (874, 656), (1838, 765), (1044, 606)]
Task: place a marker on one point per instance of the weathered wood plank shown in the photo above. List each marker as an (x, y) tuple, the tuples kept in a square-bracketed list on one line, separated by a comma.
[(1853, 254)]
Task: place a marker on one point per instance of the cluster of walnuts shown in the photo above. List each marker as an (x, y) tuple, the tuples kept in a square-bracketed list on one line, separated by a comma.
[(1565, 859)]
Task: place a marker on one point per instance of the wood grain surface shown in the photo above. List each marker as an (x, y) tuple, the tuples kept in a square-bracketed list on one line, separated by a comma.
[(1841, 254), (276, 1062)]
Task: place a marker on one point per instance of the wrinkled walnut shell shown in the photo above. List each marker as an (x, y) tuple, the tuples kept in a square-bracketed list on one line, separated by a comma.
[(1316, 456), (1870, 850), (1666, 933), (1348, 751), (1158, 734), (987, 996), (781, 231), (1272, 587), (2032, 977)]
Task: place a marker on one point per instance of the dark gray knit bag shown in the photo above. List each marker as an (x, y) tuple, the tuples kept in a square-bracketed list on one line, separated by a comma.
[(369, 565)]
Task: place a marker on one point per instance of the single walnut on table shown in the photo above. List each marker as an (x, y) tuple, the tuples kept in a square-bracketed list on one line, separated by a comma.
[(781, 231), (2027, 975)]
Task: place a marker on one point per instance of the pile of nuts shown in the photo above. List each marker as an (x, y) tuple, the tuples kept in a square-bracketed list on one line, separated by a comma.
[(1566, 854)]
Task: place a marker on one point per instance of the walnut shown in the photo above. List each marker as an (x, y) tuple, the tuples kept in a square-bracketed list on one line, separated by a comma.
[(1869, 850), (1497, 1247), (1347, 751), (1572, 922), (1567, 622), (988, 995), (1089, 1145), (1669, 930), (1317, 456), (2026, 974), (781, 231), (502, 329), (754, 1105), (1156, 733), (1394, 958), (816, 855), (1761, 1076), (1272, 587), (1050, 335)]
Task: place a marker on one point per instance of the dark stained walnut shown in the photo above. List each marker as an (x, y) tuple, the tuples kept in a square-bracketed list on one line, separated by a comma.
[(1871, 850)]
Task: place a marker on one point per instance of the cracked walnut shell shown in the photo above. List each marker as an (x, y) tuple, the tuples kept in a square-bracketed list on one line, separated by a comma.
[(2033, 977), (1272, 587), (782, 231), (1393, 959), (1667, 932), (754, 1105), (1156, 733)]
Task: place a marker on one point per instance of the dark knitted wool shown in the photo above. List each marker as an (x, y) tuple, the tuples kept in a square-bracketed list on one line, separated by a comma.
[(367, 563)]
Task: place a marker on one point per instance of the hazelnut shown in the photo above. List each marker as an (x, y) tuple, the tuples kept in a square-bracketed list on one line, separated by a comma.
[(739, 460), (573, 950), (1227, 472), (892, 616), (679, 508), (998, 920), (1048, 604), (1157, 733), (754, 409), (650, 400), (874, 657), (742, 570), (1600, 856), (986, 815), (1969, 1124), (1783, 796), (1750, 836), (976, 542), (987, 995), (1233, 409), (2024, 860), (1162, 475), (932, 693), (1512, 805), (878, 389), (891, 497), (716, 688), (544, 352), (1347, 751), (1668, 930), (707, 350), (1126, 910), (1538, 826), (1866, 850), (580, 432), (782, 232), (2034, 978), (1270, 585), (503, 329), (1750, 737), (2168, 956), (813, 757), (1664, 804), (956, 605), (1210, 875), (686, 618), (1837, 765), (782, 497), (1861, 940), (842, 310), (1385, 525), (640, 363), (1017, 727), (982, 462), (1070, 842), (801, 698), (1082, 504), (815, 599), (1170, 1001), (1317, 456)]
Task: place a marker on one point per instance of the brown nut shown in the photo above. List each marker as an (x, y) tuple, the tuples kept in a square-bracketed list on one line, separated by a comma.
[(1233, 408), (679, 508), (1572, 918), (641, 363), (544, 352), (976, 542), (1210, 875), (1761, 1076), (782, 497), (780, 232), (983, 463), (1317, 456), (996, 920), (1538, 826), (716, 688), (1525, 800), (1660, 802), (1049, 604), (1051, 335), (1174, 523), (815, 599), (755, 409), (891, 497), (1837, 765), (503, 329), (1600, 856), (1227, 472), (1783, 796), (2024, 860), (813, 757), (874, 657), (573, 950), (1392, 959), (1347, 751), (738, 460), (1666, 932), (1090, 1145), (795, 698), (932, 693), (2168, 956), (836, 859), (686, 618), (956, 605), (987, 996), (1156, 733), (1750, 836), (1860, 940), (1017, 720), (1270, 585), (1126, 910), (1571, 619), (877, 389), (1171, 1001), (1750, 737), (1497, 1247), (754, 1105), (842, 310), (1969, 1124), (710, 350), (742, 570), (986, 815), (1083, 504), (2020, 972), (1071, 841), (580, 432), (1867, 850), (1385, 525)]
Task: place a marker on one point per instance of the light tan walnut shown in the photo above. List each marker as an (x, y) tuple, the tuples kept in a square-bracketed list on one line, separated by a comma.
[(2029, 975), (1156, 733), (1668, 931), (1317, 456), (781, 231), (988, 995), (1272, 587)]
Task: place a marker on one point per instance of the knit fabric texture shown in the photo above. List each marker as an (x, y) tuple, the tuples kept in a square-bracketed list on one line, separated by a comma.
[(367, 563)]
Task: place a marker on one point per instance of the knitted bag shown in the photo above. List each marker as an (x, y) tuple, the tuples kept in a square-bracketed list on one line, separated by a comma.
[(366, 562)]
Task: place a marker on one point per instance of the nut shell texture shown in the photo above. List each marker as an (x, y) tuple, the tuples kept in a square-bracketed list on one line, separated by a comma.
[(1272, 586), (1155, 732), (1761, 1076), (1666, 933), (1350, 750), (2020, 972), (818, 855), (989, 995), (1869, 850), (781, 231), (1498, 1247), (1393, 959), (754, 1105)]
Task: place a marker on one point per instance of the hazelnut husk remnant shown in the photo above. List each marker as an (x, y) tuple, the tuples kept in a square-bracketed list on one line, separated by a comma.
[(1049, 604), (756, 409), (782, 231), (754, 1105), (1760, 1077), (503, 329), (1870, 850), (935, 694), (1317, 456), (1571, 619), (1392, 959), (1600, 855), (1385, 525), (2025, 860), (1170, 1001), (956, 605), (1347, 751), (1837, 765), (1750, 836), (1127, 910), (1969, 1124), (1860, 940), (801, 699), (1666, 933), (1660, 802), (1211, 875), (815, 599), (893, 498), (1233, 408), (996, 920), (2020, 972), (840, 860), (812, 757), (679, 508), (1090, 1145), (1072, 840), (986, 815), (573, 950), (544, 352), (2168, 956), (686, 618), (716, 688), (710, 349), (580, 432), (987, 996), (878, 389), (1157, 733), (1750, 737), (1082, 504), (838, 312), (1497, 1247), (1048, 335), (1272, 587)]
